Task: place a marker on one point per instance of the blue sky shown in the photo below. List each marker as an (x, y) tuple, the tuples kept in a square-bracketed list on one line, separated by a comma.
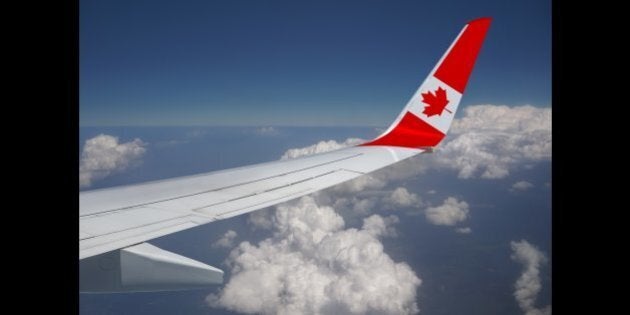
[(316, 63)]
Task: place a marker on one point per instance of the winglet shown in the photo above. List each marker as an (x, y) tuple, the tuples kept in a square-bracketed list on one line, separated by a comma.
[(455, 69), (428, 115)]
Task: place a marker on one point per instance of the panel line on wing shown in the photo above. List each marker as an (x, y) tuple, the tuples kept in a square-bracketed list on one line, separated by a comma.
[(138, 226), (265, 191), (221, 188), (286, 193), (86, 249), (224, 215)]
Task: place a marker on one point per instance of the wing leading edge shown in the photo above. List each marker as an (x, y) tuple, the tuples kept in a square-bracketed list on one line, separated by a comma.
[(115, 222)]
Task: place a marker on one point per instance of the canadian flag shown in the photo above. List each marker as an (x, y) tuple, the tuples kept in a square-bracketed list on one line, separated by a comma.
[(435, 103)]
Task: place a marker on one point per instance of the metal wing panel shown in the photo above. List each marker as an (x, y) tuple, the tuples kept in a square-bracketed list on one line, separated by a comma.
[(275, 196), (115, 218), (109, 242), (101, 200)]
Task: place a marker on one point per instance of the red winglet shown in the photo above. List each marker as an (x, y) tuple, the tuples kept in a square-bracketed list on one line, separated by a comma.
[(411, 132), (458, 64), (415, 129)]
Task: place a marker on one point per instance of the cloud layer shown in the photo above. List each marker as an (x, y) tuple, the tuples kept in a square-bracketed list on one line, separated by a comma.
[(521, 186), (312, 265), (528, 284), (464, 230), (104, 155), (449, 213), (380, 226), (401, 197), (227, 240), (320, 147), (365, 195), (488, 141), (267, 131)]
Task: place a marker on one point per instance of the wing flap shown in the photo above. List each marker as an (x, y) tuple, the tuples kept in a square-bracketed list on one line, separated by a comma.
[(108, 223), (109, 242)]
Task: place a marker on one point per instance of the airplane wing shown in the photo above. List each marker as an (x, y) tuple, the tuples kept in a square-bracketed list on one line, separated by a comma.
[(116, 222)]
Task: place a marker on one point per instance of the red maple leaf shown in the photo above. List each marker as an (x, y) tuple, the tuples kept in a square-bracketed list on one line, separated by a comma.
[(436, 102)]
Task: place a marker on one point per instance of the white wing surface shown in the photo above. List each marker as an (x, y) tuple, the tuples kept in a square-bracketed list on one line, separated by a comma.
[(115, 222)]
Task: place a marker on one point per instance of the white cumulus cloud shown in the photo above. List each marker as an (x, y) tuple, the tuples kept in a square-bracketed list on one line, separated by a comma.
[(521, 186), (227, 240), (401, 197), (490, 140), (528, 284), (359, 184), (464, 230), (313, 265), (104, 155), (380, 226), (350, 201), (320, 147), (450, 212), (267, 131), (261, 219)]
